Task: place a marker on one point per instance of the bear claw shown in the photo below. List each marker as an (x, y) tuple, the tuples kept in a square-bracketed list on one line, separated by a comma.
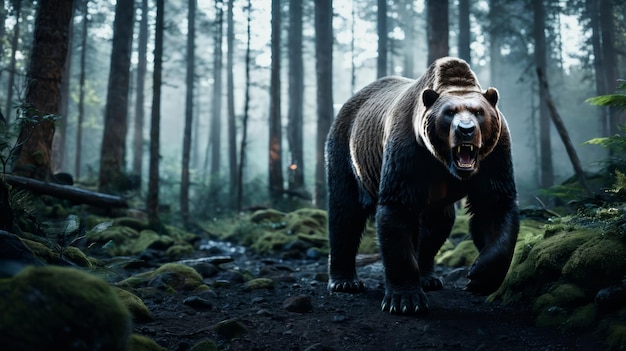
[(414, 302), (355, 286)]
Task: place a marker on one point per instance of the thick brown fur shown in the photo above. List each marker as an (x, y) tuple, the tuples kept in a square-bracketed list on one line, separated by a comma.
[(405, 151)]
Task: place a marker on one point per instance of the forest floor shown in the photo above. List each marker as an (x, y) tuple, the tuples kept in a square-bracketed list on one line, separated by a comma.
[(296, 312)]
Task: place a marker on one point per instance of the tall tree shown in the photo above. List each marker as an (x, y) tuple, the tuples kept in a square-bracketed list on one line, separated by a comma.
[(115, 115), (275, 149), (246, 108), (230, 103), (81, 92), (142, 63), (296, 97), (545, 150), (152, 201), (495, 31), (191, 53), (437, 29), (324, 73), (17, 9), (215, 139), (464, 31), (407, 16), (609, 59), (593, 11), (381, 68), (45, 73)]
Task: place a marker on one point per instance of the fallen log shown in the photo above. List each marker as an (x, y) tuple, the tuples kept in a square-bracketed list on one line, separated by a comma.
[(67, 192)]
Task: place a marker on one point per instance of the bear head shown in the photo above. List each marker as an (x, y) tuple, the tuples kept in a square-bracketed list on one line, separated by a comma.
[(459, 127)]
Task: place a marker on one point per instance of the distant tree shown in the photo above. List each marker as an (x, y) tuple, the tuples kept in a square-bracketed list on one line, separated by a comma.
[(246, 108), (45, 72), (437, 29), (275, 137), (15, 39), (545, 149), (464, 31), (190, 82), (152, 201), (230, 103), (407, 16), (296, 97), (382, 29), (496, 33), (116, 110), (324, 73), (609, 60), (215, 139), (81, 92), (142, 63)]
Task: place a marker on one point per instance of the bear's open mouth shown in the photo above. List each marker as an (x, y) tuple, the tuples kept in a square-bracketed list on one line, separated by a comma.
[(465, 156)]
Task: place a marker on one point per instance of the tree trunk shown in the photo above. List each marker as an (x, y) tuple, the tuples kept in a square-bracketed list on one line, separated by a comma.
[(152, 202), (437, 29), (215, 139), (12, 65), (3, 32), (495, 41), (324, 70), (275, 147), (246, 108), (609, 58), (464, 31), (296, 97), (232, 128), (81, 93), (381, 61), (116, 110), (44, 78), (142, 63), (408, 25), (545, 150), (184, 182)]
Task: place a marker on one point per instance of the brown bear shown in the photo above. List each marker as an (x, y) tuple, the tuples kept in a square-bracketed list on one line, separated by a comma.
[(405, 151)]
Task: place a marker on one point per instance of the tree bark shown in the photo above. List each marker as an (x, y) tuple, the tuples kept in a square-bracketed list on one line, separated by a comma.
[(230, 82), (437, 29), (191, 53), (464, 31), (12, 65), (324, 72), (609, 58), (381, 61), (116, 110), (560, 127), (296, 97), (275, 130), (81, 93), (50, 45), (142, 63), (215, 138), (152, 201), (246, 108), (545, 150)]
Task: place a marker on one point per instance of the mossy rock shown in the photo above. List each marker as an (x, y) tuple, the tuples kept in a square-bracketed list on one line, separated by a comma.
[(135, 223), (582, 317), (170, 277), (271, 241), (462, 255), (460, 229), (134, 304), (143, 343), (616, 338), (597, 263), (204, 345), (75, 255), (179, 250), (58, 308), (40, 250), (258, 284), (268, 216)]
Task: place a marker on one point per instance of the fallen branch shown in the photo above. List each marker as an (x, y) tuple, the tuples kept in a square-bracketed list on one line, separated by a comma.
[(67, 192), (560, 127)]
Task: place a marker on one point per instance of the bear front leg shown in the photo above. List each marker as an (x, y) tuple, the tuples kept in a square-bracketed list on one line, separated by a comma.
[(494, 230), (436, 226), (397, 230)]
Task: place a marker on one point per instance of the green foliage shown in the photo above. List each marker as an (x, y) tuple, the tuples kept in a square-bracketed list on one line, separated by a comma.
[(617, 100)]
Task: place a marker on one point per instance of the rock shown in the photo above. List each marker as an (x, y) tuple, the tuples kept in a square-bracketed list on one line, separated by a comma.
[(230, 328), (259, 283), (135, 305), (298, 304), (206, 270), (143, 343), (204, 345), (60, 308), (611, 298), (198, 303)]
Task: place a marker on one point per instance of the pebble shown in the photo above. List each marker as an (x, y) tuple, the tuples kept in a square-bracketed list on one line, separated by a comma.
[(198, 303), (230, 328), (298, 304)]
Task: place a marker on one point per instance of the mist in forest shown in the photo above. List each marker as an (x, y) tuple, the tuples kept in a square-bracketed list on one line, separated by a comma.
[(500, 37)]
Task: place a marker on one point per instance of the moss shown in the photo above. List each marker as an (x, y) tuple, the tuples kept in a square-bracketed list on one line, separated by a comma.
[(230, 328), (179, 250), (460, 229), (135, 305), (259, 283), (596, 263), (45, 308), (75, 255), (616, 338), (134, 223), (143, 343), (582, 317), (204, 345), (568, 294), (170, 277), (463, 255), (40, 250), (269, 216), (271, 241), (551, 317)]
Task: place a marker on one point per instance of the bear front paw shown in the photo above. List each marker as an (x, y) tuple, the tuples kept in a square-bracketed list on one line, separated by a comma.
[(405, 302), (431, 281), (347, 286)]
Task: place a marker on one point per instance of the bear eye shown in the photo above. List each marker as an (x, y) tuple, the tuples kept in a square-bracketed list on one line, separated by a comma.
[(479, 112), (449, 112)]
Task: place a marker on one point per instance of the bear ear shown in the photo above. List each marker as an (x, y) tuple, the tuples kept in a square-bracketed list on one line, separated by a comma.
[(429, 97), (491, 95)]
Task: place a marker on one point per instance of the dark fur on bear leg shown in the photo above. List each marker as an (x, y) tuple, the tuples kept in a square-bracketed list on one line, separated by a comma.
[(436, 226)]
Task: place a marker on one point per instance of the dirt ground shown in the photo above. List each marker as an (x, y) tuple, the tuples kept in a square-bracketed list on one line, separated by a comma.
[(257, 319)]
